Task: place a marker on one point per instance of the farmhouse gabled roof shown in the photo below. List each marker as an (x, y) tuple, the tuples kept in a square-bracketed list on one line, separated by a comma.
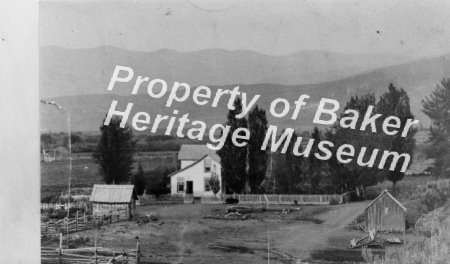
[(111, 193), (190, 165), (196, 152), (385, 192)]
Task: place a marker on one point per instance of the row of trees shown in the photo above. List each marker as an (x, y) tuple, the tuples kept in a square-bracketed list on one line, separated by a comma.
[(244, 168)]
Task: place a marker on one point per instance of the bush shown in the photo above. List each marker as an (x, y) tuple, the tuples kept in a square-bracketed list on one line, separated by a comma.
[(430, 197), (433, 249), (334, 201), (231, 200)]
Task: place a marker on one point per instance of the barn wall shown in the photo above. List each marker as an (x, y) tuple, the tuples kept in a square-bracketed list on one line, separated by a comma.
[(105, 208), (385, 215)]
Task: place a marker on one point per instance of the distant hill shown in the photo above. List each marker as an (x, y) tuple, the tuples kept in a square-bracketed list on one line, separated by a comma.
[(418, 78), (66, 72)]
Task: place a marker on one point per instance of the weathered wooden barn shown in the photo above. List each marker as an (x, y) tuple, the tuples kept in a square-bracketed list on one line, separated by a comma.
[(113, 198), (385, 213)]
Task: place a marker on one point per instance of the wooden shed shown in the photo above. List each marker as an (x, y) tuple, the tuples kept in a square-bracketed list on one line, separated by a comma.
[(385, 213), (113, 198)]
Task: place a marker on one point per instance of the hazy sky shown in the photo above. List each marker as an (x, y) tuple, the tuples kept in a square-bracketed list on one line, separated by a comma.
[(407, 27)]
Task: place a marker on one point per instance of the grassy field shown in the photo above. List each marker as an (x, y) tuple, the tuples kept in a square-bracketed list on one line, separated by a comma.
[(181, 235), (85, 172)]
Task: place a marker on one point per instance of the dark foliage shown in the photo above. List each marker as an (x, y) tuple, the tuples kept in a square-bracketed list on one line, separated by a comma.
[(257, 158), (395, 102), (437, 108), (157, 181), (114, 153), (234, 158)]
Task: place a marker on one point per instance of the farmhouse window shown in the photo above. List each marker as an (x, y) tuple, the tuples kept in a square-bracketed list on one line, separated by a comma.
[(207, 184), (180, 184), (207, 163)]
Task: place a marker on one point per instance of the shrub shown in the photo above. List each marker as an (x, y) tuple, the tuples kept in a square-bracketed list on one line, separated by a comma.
[(334, 201), (426, 250), (432, 196), (231, 200)]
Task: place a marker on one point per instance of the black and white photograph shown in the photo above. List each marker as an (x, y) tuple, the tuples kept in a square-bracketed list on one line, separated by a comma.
[(200, 131)]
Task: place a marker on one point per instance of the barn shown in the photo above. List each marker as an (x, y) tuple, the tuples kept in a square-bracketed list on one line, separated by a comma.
[(385, 213), (113, 198)]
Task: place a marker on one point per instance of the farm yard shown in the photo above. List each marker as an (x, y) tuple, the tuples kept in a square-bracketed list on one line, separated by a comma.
[(166, 232), (182, 234)]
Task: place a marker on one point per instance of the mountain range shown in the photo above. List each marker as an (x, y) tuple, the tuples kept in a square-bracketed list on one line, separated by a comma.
[(77, 79)]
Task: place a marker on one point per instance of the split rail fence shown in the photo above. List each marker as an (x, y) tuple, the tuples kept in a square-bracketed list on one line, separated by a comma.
[(80, 223), (90, 255)]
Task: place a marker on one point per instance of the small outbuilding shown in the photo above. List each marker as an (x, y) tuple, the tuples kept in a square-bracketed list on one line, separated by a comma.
[(385, 213), (113, 198)]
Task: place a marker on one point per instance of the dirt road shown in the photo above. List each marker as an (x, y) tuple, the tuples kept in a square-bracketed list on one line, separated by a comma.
[(300, 239)]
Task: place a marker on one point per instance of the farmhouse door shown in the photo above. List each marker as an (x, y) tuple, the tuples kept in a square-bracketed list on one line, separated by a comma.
[(189, 187)]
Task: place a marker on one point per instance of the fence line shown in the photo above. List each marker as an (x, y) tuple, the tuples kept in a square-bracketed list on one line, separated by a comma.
[(92, 255), (162, 199), (80, 223), (247, 199), (73, 205), (285, 198)]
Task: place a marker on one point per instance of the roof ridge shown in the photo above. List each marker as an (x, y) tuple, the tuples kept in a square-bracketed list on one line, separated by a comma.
[(390, 195), (189, 166)]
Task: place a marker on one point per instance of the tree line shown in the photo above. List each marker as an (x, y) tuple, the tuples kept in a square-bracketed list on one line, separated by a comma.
[(248, 169)]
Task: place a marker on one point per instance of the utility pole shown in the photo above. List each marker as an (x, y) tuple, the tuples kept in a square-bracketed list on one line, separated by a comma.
[(70, 149)]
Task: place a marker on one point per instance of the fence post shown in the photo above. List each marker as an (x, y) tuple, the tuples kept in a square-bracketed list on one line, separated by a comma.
[(114, 258), (110, 220), (66, 221), (137, 252), (60, 248), (46, 229), (85, 222), (95, 244), (76, 221)]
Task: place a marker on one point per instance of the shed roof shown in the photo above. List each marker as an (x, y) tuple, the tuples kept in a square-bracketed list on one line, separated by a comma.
[(111, 193), (196, 152), (385, 192)]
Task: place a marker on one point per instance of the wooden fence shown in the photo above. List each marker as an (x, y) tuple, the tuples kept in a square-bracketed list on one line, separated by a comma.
[(92, 255), (73, 205), (162, 199), (278, 199), (246, 199), (80, 223)]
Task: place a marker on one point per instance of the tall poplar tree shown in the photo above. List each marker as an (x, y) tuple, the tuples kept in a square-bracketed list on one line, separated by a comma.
[(395, 102), (115, 151), (233, 158), (257, 158)]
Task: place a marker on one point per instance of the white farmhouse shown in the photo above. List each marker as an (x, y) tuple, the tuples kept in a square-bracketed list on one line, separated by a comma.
[(198, 164)]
